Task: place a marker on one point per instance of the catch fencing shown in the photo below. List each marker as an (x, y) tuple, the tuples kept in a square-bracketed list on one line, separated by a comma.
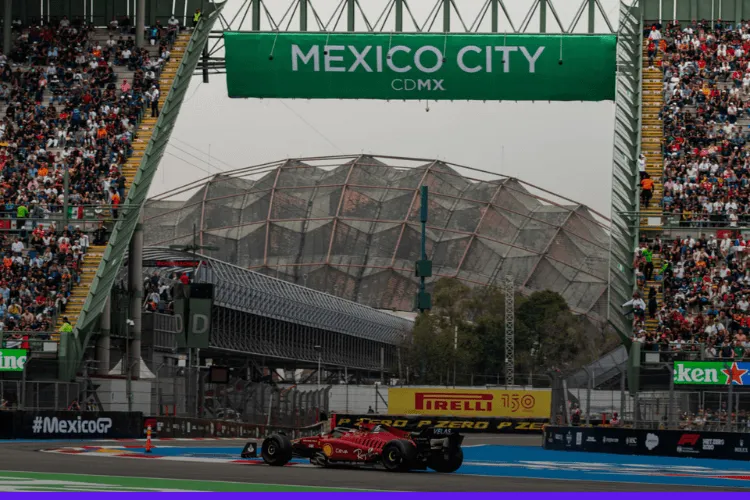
[(657, 404), (46, 396)]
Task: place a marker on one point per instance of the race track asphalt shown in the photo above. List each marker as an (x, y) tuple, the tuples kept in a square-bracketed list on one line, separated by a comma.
[(25, 456)]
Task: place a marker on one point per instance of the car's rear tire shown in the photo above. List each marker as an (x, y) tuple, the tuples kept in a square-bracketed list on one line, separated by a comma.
[(276, 450), (446, 462), (398, 455)]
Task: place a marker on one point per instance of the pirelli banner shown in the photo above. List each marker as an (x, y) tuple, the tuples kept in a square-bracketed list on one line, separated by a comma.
[(484, 403), (466, 425)]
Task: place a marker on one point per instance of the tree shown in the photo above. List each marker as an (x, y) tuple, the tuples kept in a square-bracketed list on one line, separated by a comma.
[(547, 335)]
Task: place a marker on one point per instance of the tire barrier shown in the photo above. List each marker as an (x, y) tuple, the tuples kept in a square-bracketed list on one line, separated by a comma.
[(669, 443)]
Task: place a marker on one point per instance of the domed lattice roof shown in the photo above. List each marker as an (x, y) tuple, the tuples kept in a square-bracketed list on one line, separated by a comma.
[(349, 226)]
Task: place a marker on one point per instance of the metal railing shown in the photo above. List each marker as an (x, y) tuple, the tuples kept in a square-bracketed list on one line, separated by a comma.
[(43, 342)]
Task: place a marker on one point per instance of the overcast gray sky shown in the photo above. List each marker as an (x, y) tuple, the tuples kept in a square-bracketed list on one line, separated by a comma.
[(563, 147)]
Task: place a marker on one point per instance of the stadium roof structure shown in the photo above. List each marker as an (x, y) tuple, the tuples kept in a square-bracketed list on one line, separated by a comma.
[(349, 226), (255, 293)]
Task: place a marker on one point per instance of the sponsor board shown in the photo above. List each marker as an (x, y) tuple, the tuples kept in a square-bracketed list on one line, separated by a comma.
[(77, 425), (469, 403), (447, 424), (711, 373), (420, 66), (723, 445), (12, 360), (69, 425)]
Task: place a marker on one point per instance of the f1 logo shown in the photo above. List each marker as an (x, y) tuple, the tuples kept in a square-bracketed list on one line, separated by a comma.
[(688, 439)]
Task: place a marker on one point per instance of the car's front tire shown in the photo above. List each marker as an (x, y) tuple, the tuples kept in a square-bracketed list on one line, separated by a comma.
[(398, 455), (447, 461), (276, 450)]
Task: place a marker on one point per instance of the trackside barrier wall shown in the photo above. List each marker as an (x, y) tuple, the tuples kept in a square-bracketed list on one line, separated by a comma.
[(670, 443), (468, 425), (178, 427), (69, 425)]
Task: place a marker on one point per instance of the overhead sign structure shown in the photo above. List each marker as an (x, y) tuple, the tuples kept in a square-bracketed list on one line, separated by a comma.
[(12, 360), (421, 66), (469, 403), (711, 373)]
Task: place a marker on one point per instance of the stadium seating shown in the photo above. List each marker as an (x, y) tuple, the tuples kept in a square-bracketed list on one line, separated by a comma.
[(74, 99), (706, 169)]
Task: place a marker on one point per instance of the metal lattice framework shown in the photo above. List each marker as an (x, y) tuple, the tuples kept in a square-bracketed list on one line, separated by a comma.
[(349, 226), (625, 204), (510, 331), (256, 293), (259, 315), (443, 16)]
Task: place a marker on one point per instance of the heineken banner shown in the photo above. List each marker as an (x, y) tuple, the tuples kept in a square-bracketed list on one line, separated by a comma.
[(711, 373), (421, 66), (12, 360)]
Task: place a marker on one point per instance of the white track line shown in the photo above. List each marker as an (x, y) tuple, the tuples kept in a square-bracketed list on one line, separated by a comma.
[(200, 480)]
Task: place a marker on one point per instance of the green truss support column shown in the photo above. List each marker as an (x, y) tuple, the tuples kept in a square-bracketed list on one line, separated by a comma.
[(73, 346), (625, 206), (542, 16), (303, 15), (446, 16), (399, 15), (350, 5), (494, 13), (255, 22)]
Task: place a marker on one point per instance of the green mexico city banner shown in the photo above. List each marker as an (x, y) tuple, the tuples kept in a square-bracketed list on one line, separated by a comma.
[(711, 373), (420, 66), (12, 360)]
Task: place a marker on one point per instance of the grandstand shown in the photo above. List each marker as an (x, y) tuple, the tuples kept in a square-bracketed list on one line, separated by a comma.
[(349, 226), (79, 108), (694, 242)]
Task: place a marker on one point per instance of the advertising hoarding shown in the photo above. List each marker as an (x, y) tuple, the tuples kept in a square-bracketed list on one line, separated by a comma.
[(469, 402)]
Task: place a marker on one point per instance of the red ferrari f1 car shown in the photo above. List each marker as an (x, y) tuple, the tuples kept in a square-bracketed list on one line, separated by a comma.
[(371, 445)]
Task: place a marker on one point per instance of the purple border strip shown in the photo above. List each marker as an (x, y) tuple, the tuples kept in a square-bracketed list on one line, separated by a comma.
[(598, 495), (571, 495)]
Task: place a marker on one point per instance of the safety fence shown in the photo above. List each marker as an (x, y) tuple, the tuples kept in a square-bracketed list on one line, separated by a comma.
[(654, 402), (41, 396)]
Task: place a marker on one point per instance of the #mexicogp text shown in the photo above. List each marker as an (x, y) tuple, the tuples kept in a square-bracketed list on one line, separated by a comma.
[(488, 425)]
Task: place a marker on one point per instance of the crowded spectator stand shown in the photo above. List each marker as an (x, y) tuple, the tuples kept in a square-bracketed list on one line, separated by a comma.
[(71, 100)]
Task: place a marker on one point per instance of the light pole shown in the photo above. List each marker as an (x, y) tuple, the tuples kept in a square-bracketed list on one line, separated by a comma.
[(319, 350)]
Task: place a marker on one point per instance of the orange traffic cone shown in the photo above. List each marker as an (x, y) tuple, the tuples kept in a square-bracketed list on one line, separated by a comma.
[(148, 439)]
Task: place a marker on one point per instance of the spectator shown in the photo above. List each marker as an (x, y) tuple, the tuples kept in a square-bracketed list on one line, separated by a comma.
[(66, 326), (647, 190), (67, 118)]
